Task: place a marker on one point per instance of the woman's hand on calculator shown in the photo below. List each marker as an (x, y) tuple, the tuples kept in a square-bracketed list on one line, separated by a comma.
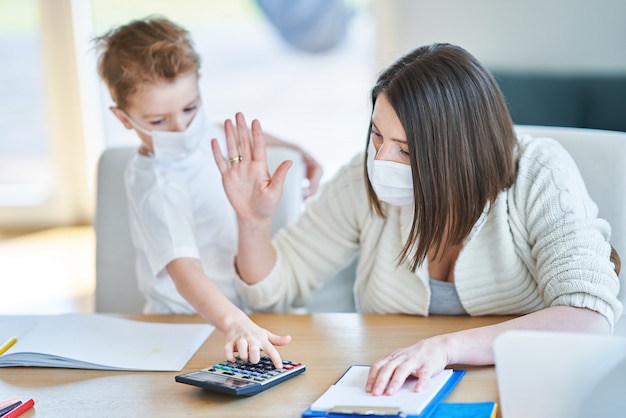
[(248, 339)]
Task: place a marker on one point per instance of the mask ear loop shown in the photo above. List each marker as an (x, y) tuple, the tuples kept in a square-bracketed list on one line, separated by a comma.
[(142, 148), (132, 122)]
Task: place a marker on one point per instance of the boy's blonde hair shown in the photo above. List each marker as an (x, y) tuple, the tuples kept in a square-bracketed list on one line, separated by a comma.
[(145, 51)]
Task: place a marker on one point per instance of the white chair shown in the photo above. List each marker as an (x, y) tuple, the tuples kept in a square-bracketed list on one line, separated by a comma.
[(601, 158), (116, 283)]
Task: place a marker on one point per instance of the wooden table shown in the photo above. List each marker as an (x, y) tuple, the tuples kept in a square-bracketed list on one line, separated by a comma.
[(326, 343)]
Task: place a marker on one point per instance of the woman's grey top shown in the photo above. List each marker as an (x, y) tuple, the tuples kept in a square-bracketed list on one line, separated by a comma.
[(444, 299)]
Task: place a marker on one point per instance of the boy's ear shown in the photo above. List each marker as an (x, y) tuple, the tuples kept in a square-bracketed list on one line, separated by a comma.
[(121, 116)]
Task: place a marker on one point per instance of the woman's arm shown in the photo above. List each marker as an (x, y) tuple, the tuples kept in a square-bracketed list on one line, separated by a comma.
[(301, 257), (254, 195), (472, 347), (242, 334)]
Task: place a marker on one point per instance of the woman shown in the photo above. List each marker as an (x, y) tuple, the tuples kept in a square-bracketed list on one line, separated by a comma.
[(449, 212)]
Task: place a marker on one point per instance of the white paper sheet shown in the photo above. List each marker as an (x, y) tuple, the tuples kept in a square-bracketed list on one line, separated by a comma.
[(350, 390)]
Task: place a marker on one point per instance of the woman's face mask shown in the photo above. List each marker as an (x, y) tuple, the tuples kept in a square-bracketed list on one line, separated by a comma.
[(392, 181), (176, 144)]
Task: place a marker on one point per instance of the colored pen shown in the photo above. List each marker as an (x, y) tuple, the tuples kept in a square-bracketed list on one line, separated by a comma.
[(4, 347), (8, 408), (20, 409), (8, 402)]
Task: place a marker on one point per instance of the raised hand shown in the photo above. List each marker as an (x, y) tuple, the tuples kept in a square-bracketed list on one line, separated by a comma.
[(252, 192)]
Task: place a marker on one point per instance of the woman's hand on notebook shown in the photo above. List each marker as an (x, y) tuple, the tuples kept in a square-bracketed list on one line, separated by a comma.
[(422, 360)]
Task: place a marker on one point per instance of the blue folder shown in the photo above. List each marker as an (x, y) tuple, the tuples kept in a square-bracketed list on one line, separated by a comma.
[(465, 410)]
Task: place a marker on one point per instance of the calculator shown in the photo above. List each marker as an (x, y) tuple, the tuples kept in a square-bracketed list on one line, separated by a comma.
[(241, 377)]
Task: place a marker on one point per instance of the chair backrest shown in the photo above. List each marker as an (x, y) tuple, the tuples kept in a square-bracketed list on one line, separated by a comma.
[(116, 282), (116, 285), (601, 158)]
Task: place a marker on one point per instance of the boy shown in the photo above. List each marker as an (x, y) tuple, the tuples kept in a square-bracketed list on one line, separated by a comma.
[(182, 225)]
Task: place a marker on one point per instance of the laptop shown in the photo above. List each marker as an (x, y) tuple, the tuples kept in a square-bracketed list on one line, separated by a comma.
[(560, 375)]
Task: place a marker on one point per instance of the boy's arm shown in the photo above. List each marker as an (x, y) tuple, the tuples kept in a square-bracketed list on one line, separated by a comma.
[(242, 334)]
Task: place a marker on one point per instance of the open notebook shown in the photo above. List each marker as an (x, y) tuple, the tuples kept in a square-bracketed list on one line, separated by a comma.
[(91, 341)]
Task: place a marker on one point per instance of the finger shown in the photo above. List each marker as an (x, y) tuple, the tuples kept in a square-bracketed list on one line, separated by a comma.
[(375, 376), (229, 351), (278, 178), (258, 149), (231, 139), (398, 378), (218, 156), (423, 377), (383, 378), (254, 354), (243, 137), (314, 174), (278, 340), (242, 348), (372, 376), (271, 351)]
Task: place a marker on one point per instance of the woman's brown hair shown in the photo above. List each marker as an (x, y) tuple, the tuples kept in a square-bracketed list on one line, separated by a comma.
[(146, 51), (461, 143)]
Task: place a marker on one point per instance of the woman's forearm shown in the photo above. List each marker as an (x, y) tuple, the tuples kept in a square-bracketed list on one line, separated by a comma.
[(256, 255), (475, 346)]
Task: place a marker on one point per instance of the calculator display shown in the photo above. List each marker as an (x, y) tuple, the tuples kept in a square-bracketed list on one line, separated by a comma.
[(217, 379)]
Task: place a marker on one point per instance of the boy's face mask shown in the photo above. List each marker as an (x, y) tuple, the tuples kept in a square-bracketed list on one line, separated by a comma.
[(176, 144), (392, 181)]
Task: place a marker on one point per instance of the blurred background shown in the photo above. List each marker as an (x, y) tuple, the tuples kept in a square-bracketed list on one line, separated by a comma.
[(55, 119)]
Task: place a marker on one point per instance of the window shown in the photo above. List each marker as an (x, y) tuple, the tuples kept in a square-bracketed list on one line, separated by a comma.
[(52, 130), (25, 165)]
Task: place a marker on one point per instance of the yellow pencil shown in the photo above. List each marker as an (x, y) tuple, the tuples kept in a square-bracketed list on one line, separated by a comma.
[(4, 347)]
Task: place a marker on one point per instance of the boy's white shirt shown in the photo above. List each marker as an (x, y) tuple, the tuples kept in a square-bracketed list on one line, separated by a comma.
[(179, 209)]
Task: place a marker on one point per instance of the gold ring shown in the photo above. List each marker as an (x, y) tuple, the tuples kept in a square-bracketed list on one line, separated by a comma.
[(235, 159)]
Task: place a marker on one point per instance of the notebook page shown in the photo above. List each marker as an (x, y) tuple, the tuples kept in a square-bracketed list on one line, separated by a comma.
[(102, 342), (350, 390)]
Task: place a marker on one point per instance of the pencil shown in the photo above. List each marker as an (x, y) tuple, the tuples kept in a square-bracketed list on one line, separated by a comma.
[(4, 347)]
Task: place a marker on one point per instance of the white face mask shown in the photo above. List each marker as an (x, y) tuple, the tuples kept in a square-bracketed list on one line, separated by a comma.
[(392, 181), (176, 144)]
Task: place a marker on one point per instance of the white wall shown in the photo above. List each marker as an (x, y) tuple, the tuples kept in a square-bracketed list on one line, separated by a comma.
[(543, 35)]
